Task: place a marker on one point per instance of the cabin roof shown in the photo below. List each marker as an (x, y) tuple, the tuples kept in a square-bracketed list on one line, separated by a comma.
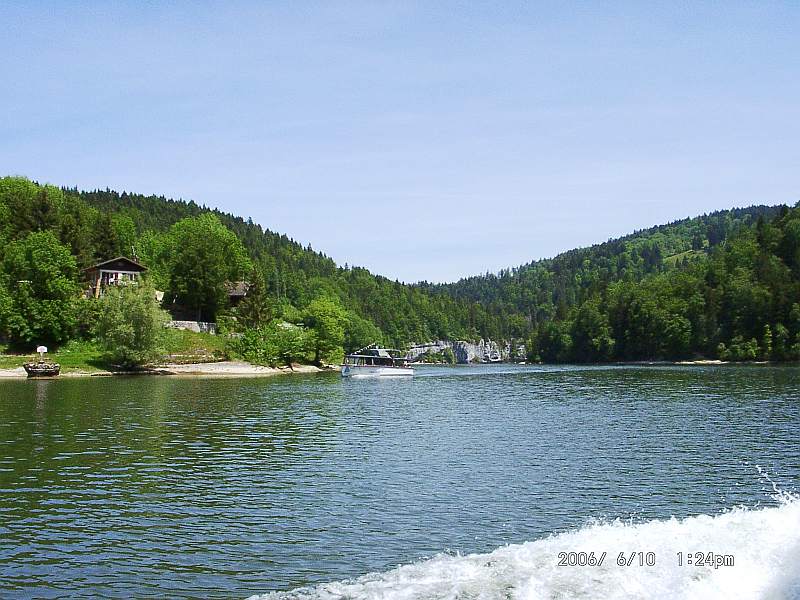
[(118, 263), (237, 288)]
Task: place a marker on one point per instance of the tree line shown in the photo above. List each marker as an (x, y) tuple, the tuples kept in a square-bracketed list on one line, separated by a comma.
[(299, 305), (719, 285), (722, 285)]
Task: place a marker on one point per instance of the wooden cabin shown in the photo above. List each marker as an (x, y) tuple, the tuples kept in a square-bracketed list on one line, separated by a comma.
[(117, 271), (237, 291)]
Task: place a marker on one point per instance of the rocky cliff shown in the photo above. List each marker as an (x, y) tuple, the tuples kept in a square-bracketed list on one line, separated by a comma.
[(467, 352)]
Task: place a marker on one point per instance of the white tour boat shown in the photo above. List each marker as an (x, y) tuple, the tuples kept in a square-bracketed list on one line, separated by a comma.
[(375, 362)]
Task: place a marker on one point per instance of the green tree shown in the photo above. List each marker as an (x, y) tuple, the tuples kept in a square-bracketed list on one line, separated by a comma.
[(130, 325), (554, 342), (154, 250), (591, 334), (41, 290), (6, 307), (278, 343), (44, 212), (766, 343), (532, 348), (326, 319), (257, 308), (75, 232), (780, 349), (204, 256), (29, 207), (676, 336), (290, 343), (360, 332), (739, 349), (105, 238), (126, 235), (113, 235)]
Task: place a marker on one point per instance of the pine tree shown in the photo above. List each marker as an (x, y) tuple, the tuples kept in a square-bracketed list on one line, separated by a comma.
[(105, 239)]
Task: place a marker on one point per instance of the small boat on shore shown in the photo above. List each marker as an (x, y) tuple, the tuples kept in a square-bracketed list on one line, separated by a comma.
[(42, 369), (373, 361)]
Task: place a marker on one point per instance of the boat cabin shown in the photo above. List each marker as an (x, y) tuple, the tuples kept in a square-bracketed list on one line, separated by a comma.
[(374, 361), (375, 357), (117, 271)]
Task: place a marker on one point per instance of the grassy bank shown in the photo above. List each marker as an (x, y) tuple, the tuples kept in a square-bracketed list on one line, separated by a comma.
[(180, 347), (74, 356)]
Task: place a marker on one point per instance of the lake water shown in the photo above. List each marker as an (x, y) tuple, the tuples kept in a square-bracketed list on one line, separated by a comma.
[(474, 479)]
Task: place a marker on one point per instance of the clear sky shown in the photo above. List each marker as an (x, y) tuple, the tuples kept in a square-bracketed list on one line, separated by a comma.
[(421, 140)]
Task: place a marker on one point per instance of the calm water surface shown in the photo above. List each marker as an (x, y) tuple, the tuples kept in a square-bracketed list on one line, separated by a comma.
[(226, 488)]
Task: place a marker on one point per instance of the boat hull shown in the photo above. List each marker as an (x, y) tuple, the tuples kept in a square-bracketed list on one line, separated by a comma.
[(42, 370), (358, 371)]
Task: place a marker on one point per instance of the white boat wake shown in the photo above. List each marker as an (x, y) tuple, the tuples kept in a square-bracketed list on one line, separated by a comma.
[(764, 544)]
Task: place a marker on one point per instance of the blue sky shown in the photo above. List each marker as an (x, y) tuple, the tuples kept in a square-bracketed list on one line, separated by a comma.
[(421, 140)]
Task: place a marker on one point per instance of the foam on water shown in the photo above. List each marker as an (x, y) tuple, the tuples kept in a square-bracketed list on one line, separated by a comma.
[(765, 544)]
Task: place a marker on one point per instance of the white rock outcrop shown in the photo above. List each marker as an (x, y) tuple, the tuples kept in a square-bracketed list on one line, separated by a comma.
[(468, 352)]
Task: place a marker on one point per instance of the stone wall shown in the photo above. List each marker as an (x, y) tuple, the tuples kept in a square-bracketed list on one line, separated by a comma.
[(196, 326)]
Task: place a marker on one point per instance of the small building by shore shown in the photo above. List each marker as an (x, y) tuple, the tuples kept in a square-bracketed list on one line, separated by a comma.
[(117, 271), (237, 291)]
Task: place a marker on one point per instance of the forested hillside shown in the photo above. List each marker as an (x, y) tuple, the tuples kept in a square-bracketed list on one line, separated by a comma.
[(99, 225), (296, 274), (544, 290), (723, 284)]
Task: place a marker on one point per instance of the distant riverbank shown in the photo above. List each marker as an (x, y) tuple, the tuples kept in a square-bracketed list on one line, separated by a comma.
[(237, 368), (185, 353), (228, 368)]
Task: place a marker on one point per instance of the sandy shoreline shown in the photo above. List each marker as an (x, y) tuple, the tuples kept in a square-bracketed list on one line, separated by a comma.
[(228, 368), (232, 368)]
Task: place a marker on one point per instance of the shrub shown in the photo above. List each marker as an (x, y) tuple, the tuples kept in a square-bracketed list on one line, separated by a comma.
[(130, 326), (278, 343)]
